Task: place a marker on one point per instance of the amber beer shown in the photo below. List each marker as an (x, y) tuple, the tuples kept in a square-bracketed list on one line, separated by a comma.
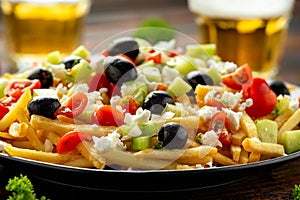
[(245, 31), (33, 28)]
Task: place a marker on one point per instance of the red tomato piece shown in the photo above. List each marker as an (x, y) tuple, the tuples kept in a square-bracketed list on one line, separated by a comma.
[(219, 123), (74, 106), (3, 110), (129, 104), (224, 137), (156, 56), (127, 58), (217, 103), (70, 140), (106, 115), (264, 99), (16, 87), (240, 79)]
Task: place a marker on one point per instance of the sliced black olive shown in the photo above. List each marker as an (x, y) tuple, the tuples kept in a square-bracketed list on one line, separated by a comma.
[(44, 75), (279, 87), (124, 45), (71, 61), (119, 70), (173, 136), (44, 106), (157, 100), (196, 77)]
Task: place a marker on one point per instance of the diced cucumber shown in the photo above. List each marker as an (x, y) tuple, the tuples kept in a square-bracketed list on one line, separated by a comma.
[(81, 71), (202, 51), (267, 130), (179, 87), (53, 57), (149, 63), (174, 109), (291, 141), (215, 75), (82, 52), (184, 65), (149, 129), (138, 90), (152, 74), (141, 143), (44, 92)]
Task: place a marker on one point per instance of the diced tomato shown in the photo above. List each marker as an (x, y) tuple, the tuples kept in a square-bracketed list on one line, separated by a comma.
[(217, 103), (100, 81), (74, 106), (70, 140), (219, 123), (240, 79), (16, 87), (264, 99), (129, 104), (106, 115), (3, 110), (156, 56)]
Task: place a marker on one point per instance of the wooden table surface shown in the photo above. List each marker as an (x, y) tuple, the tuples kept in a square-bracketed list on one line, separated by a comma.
[(108, 18)]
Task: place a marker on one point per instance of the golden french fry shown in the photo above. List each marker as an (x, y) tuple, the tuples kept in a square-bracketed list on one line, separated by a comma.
[(235, 152), (223, 160), (127, 159), (254, 157), (283, 117), (12, 115), (80, 162), (248, 125), (195, 160), (174, 154), (238, 137), (61, 128), (289, 124), (243, 156), (6, 135), (91, 154), (34, 140), (264, 148), (39, 155), (22, 144), (53, 137)]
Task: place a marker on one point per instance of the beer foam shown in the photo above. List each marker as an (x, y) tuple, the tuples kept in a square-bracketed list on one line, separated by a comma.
[(233, 9)]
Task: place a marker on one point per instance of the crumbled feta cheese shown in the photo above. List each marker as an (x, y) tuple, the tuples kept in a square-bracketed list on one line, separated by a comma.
[(211, 138), (141, 117), (222, 67), (61, 90), (97, 63), (206, 112), (168, 115), (231, 99), (233, 118), (294, 103), (127, 89), (167, 46), (114, 101), (151, 86), (244, 105), (83, 87), (211, 95), (169, 74), (105, 143), (2, 145)]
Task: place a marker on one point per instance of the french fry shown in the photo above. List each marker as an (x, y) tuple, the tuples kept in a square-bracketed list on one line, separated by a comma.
[(248, 125), (52, 136), (34, 140), (91, 154), (22, 144), (283, 117), (12, 115), (264, 148), (254, 157), (195, 160), (80, 162), (289, 125), (61, 128), (243, 156), (238, 137), (39, 155), (223, 160), (235, 152)]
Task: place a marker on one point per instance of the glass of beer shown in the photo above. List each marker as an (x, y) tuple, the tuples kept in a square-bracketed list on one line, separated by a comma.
[(245, 31), (33, 28)]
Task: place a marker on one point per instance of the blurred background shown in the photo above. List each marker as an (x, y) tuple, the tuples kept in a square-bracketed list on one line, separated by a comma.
[(110, 17)]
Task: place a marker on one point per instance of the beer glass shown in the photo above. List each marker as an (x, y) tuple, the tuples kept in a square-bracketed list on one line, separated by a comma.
[(245, 31), (33, 28)]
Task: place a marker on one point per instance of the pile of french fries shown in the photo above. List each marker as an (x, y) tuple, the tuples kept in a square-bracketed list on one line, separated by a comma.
[(35, 137)]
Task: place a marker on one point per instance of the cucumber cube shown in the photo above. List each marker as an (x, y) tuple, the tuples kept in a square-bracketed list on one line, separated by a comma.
[(179, 87), (291, 141), (267, 130)]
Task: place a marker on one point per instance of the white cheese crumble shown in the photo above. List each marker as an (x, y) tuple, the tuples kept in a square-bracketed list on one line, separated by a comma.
[(231, 99), (105, 143), (223, 67), (206, 112), (169, 74), (233, 118), (211, 95), (141, 117), (211, 138)]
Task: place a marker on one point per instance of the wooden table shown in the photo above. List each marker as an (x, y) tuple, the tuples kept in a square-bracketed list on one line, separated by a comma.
[(108, 18)]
